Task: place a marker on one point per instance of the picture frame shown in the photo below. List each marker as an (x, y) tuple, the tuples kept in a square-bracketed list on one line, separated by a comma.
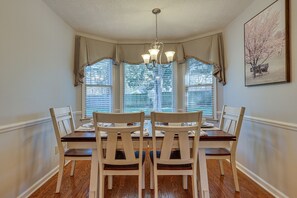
[(267, 46)]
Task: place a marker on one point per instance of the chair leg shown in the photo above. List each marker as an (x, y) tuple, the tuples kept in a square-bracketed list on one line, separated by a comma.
[(234, 171), (143, 176), (198, 178), (221, 167), (109, 182), (194, 184), (151, 176), (140, 183), (156, 182), (101, 186), (60, 174), (72, 167), (185, 182)]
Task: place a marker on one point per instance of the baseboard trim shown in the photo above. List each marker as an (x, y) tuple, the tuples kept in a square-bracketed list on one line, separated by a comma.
[(268, 187), (29, 123), (39, 183)]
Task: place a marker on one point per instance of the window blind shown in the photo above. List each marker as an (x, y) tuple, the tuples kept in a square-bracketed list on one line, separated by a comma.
[(148, 89), (199, 88), (98, 87)]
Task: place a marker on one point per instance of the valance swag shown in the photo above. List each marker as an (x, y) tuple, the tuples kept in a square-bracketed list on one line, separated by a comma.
[(89, 51)]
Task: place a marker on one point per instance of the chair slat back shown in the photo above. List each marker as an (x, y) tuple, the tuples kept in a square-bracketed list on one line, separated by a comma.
[(63, 123), (179, 131), (118, 135), (231, 121)]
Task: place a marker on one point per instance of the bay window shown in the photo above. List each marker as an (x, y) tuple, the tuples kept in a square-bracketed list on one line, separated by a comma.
[(134, 88)]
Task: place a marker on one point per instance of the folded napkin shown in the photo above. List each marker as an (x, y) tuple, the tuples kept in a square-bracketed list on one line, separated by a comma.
[(207, 125), (203, 133), (85, 128), (145, 133)]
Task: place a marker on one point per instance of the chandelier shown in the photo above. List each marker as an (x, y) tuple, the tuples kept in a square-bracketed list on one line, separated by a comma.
[(155, 48)]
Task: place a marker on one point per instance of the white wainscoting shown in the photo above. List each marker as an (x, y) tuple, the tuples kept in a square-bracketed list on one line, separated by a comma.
[(30, 123), (271, 123)]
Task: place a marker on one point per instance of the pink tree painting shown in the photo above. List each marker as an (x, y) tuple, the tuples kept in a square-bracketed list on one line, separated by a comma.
[(265, 42)]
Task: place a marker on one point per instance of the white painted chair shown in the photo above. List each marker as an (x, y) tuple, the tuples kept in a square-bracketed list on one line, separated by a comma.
[(118, 154), (231, 121), (63, 123), (175, 155)]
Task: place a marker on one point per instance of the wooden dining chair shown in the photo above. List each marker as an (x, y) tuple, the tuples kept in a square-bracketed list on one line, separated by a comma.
[(63, 124), (175, 154), (118, 154), (230, 122)]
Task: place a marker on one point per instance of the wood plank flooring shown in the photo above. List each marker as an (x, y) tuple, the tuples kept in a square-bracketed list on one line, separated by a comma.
[(169, 186)]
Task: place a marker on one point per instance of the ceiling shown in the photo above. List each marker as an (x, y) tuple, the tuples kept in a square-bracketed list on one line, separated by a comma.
[(132, 20)]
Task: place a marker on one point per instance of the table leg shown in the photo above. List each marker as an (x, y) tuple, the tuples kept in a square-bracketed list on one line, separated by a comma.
[(204, 192), (93, 191)]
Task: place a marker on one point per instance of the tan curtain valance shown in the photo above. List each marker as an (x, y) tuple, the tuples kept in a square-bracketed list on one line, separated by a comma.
[(210, 51), (127, 53), (89, 51)]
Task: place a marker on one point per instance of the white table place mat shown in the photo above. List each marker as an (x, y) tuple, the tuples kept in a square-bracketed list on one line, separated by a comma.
[(84, 128)]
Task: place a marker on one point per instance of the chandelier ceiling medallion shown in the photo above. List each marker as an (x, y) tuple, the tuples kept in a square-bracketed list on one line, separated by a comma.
[(154, 56)]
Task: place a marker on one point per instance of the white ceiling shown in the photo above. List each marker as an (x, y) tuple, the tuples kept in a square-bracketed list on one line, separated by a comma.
[(132, 20)]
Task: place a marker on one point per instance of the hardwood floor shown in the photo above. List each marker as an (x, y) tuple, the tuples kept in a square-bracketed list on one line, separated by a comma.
[(169, 186)]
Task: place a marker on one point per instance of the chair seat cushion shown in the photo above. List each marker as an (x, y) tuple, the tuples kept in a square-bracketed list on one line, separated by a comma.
[(173, 155), (78, 153), (121, 155), (217, 152)]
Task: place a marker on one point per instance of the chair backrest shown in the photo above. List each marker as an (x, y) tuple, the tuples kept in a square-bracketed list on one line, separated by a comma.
[(176, 136), (63, 123), (231, 121), (118, 128)]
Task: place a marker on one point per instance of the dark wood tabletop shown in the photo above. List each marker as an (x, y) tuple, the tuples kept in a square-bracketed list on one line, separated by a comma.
[(89, 136)]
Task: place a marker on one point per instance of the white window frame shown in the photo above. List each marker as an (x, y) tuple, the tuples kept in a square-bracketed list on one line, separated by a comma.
[(83, 92), (174, 75), (185, 88)]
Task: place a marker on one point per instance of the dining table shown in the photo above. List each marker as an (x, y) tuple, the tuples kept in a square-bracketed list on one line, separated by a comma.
[(210, 137)]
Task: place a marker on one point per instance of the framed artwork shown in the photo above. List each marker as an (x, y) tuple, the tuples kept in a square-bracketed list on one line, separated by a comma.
[(267, 47)]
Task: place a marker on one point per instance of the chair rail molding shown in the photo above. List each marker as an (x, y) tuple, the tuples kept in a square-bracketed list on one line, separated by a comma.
[(29, 123), (274, 123), (269, 122)]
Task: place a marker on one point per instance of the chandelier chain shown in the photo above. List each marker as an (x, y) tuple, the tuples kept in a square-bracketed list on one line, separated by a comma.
[(156, 27)]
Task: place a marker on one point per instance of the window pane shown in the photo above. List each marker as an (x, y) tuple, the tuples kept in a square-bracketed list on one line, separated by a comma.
[(199, 73), (200, 99), (148, 89), (200, 83), (99, 73), (98, 99), (167, 87)]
